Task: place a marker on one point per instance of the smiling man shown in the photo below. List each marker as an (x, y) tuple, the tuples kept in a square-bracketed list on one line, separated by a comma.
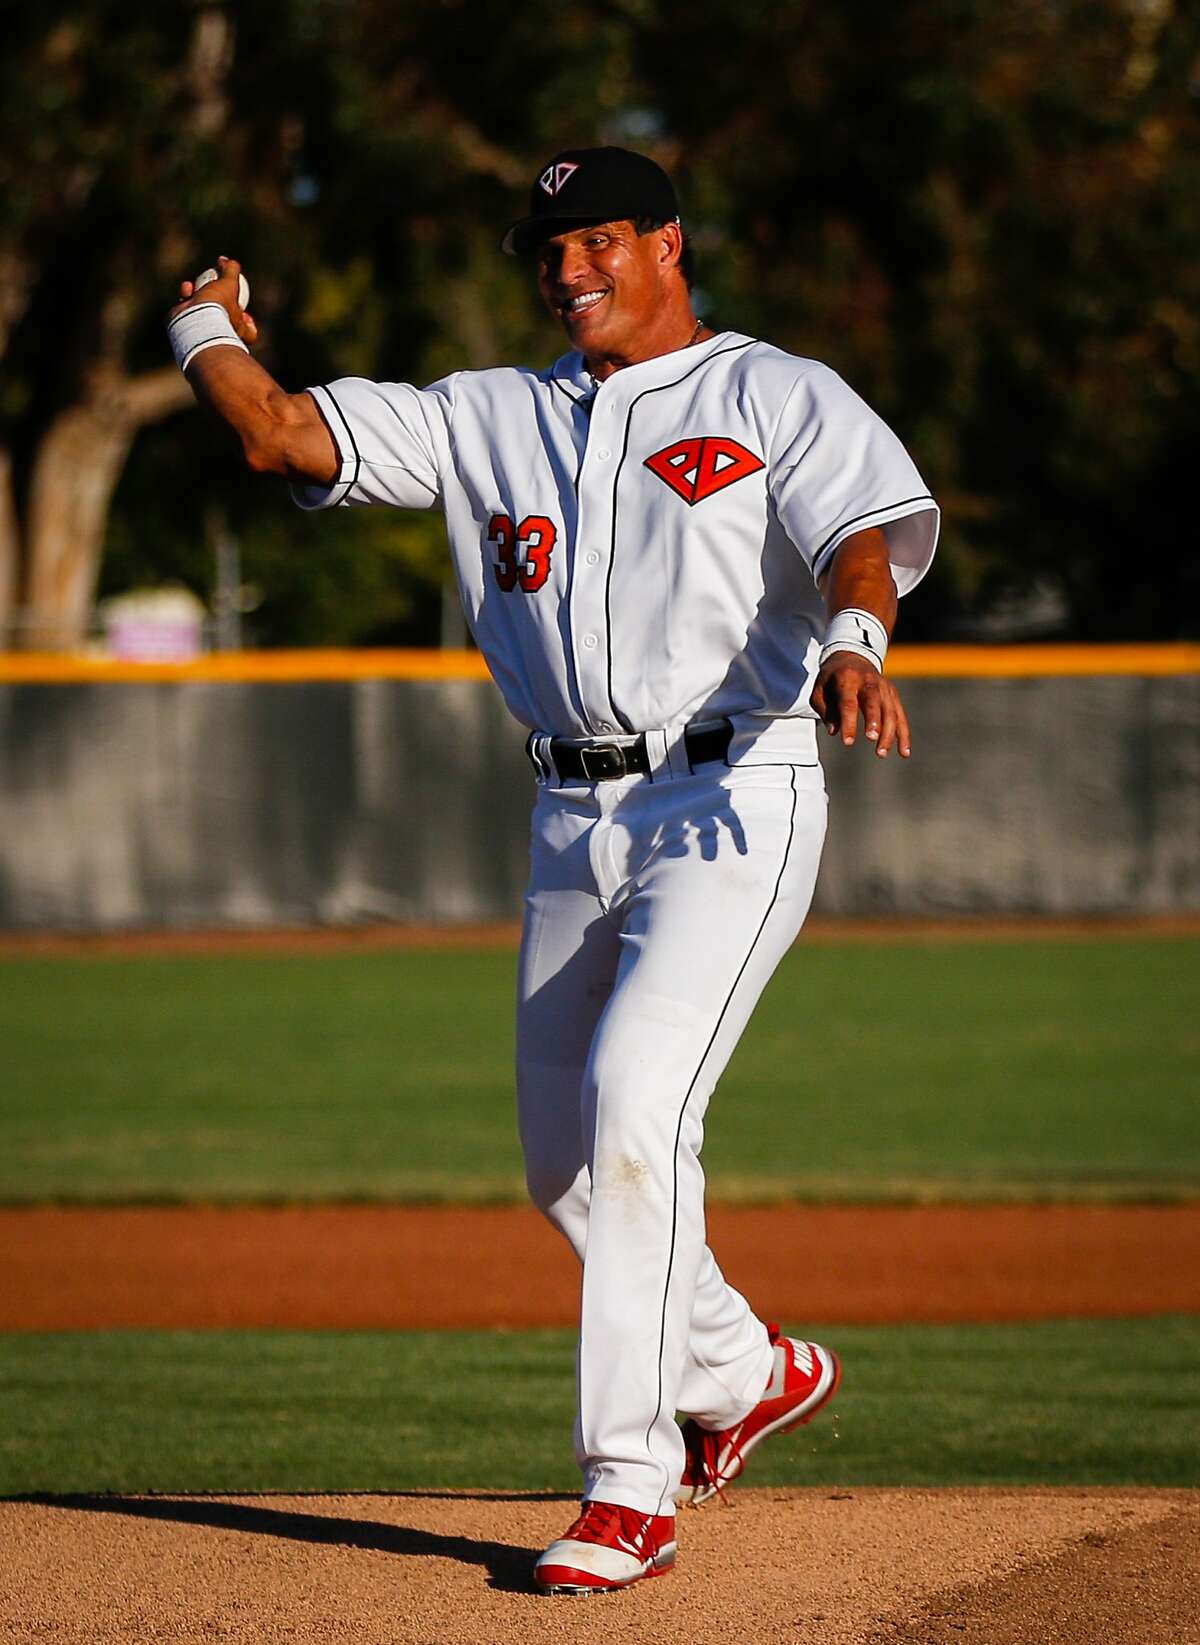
[(680, 552), (604, 280)]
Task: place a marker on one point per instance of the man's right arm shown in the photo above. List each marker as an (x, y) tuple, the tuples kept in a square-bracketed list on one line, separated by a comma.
[(280, 433)]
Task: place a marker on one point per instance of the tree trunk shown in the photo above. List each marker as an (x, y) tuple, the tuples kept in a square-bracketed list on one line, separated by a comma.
[(10, 551), (14, 299), (74, 475)]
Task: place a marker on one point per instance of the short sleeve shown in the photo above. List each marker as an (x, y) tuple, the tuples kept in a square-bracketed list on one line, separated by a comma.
[(837, 468), (387, 445)]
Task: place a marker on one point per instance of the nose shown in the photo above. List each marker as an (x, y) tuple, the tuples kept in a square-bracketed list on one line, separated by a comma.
[(572, 264)]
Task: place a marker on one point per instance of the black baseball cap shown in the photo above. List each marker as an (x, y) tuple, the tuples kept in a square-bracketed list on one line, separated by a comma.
[(592, 186)]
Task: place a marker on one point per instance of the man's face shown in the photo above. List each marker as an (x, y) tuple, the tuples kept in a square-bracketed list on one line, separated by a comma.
[(605, 283)]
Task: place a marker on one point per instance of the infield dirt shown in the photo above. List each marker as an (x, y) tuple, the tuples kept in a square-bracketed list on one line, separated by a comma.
[(506, 934), (69, 1268)]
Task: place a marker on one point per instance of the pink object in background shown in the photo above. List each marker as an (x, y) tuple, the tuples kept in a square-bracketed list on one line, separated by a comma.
[(154, 626)]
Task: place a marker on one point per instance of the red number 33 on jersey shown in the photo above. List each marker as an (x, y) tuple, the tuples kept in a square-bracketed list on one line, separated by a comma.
[(522, 551)]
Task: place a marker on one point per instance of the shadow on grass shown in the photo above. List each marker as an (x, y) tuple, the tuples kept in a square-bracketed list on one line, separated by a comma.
[(509, 1569)]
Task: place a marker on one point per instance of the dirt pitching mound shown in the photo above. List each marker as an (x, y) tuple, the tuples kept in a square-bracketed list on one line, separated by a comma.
[(868, 1567)]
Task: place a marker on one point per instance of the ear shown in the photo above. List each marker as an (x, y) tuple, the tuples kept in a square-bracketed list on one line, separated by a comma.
[(670, 244)]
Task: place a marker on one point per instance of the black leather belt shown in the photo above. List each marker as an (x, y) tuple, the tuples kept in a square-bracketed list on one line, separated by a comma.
[(604, 762)]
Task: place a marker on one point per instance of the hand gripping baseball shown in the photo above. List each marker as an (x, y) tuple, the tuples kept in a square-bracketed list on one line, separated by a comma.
[(227, 285)]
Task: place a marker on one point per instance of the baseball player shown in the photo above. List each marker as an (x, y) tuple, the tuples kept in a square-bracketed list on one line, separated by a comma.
[(680, 552)]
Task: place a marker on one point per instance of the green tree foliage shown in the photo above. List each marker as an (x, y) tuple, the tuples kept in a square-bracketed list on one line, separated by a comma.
[(982, 212)]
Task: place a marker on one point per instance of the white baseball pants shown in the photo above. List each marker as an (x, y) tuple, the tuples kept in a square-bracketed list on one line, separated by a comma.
[(655, 914)]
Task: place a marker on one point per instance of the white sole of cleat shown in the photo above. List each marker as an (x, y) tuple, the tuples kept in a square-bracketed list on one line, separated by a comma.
[(662, 1565)]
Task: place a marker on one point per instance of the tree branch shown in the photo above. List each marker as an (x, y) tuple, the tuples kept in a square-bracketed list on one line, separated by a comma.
[(153, 395), (15, 285)]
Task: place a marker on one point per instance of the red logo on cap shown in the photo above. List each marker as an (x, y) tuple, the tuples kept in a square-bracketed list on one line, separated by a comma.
[(553, 178), (695, 469)]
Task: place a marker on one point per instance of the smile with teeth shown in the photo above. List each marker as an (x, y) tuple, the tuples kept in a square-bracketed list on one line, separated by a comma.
[(585, 301)]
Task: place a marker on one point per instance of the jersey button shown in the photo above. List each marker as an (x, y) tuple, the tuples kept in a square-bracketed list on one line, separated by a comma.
[(604, 454), (603, 725), (590, 641), (593, 558)]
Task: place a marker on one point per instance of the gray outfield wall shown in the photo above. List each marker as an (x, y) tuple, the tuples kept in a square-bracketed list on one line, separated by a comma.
[(211, 804)]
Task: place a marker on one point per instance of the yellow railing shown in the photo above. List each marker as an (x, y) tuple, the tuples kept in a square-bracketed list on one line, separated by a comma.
[(904, 662)]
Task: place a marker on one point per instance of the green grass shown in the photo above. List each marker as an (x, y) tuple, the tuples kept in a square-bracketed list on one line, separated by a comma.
[(903, 1069), (1071, 1403)]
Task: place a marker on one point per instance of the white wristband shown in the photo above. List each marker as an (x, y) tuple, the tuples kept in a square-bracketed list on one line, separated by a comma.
[(207, 325), (856, 630)]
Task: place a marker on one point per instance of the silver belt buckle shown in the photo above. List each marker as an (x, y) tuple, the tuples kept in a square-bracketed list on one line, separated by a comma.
[(602, 763)]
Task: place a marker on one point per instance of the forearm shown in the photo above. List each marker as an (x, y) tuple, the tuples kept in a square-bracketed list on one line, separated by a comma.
[(280, 433), (861, 579), (849, 677), (211, 336)]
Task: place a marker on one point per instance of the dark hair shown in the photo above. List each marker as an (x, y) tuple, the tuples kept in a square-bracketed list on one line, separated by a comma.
[(687, 257)]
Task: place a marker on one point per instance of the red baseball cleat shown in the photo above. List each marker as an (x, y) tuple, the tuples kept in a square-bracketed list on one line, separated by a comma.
[(806, 1377), (608, 1547)]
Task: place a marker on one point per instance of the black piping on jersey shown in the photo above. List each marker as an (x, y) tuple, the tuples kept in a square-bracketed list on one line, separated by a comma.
[(353, 480), (574, 690), (569, 649), (735, 348), (575, 399), (662, 1332), (835, 539), (341, 486), (775, 765)]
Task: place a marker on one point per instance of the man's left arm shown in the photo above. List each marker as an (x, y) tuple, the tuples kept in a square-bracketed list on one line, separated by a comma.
[(850, 683)]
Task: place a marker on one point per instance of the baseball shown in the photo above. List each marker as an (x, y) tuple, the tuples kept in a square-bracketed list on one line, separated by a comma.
[(211, 274)]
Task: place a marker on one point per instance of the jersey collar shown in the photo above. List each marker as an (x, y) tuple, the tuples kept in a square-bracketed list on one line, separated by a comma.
[(570, 372)]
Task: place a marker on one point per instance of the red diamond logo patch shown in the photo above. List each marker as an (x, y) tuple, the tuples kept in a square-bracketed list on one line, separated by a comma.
[(696, 469)]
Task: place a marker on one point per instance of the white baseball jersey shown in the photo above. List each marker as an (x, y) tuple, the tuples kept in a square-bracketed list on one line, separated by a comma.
[(644, 554)]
